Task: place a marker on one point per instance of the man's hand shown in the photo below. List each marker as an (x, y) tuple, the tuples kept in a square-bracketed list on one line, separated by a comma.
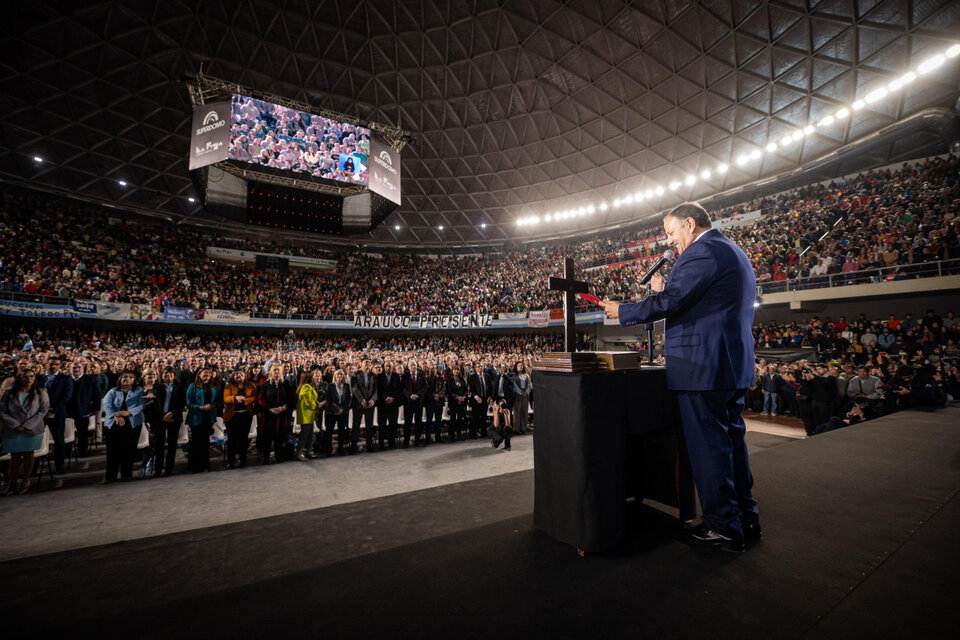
[(657, 282), (611, 307)]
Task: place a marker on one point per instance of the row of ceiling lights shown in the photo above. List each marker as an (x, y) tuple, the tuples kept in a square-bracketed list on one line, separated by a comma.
[(743, 159)]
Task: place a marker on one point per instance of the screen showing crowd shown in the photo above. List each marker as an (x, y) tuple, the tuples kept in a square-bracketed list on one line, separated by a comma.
[(271, 135)]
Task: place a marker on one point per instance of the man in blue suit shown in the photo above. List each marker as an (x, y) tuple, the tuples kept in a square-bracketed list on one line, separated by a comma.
[(708, 306)]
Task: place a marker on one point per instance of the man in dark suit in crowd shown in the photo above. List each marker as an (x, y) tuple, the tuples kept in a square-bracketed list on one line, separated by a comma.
[(364, 388), (60, 388), (337, 411), (83, 403), (708, 305), (482, 392), (171, 401), (824, 394), (414, 389), (390, 395), (187, 373)]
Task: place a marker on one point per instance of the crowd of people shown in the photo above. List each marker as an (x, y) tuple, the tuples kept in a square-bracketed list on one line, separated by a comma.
[(888, 219), (444, 388), (275, 136), (858, 370)]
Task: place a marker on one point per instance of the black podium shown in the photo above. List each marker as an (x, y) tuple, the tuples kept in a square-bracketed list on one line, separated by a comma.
[(601, 437)]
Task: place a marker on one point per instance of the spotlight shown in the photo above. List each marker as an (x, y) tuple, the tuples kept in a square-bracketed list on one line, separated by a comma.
[(674, 185), (930, 64), (742, 159), (37, 159), (191, 199), (628, 200), (859, 104), (755, 154), (547, 217), (658, 190), (826, 122), (396, 227), (483, 225), (603, 206), (907, 78), (122, 183), (440, 227), (638, 196), (807, 130), (843, 113), (705, 174), (649, 194), (690, 179), (592, 208), (616, 204), (786, 140), (722, 168), (771, 147), (953, 51), (875, 95)]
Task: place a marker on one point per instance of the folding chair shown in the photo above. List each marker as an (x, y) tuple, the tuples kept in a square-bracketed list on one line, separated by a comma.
[(70, 438), (43, 454)]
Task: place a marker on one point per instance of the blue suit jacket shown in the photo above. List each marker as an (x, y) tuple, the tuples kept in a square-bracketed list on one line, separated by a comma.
[(708, 305)]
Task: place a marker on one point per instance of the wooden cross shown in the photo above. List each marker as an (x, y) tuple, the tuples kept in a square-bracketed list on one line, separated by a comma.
[(570, 288)]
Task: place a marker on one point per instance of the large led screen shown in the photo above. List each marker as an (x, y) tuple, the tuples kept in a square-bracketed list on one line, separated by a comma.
[(269, 135)]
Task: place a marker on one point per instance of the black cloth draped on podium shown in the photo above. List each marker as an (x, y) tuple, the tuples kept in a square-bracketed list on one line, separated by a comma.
[(601, 437)]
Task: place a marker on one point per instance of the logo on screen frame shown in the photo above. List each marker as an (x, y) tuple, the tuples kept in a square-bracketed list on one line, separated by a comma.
[(211, 122), (384, 160)]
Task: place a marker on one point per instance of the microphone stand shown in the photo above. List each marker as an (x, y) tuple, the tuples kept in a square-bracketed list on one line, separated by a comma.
[(649, 329)]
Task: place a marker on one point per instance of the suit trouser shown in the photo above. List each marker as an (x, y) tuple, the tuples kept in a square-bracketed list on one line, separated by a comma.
[(341, 424), (82, 435), (413, 417), (165, 436), (458, 414), (121, 449), (367, 416), (821, 411), (198, 456), (434, 421), (56, 426), (714, 432), (238, 436), (478, 419), (388, 414)]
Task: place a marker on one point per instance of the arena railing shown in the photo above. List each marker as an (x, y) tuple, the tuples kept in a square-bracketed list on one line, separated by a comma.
[(865, 276)]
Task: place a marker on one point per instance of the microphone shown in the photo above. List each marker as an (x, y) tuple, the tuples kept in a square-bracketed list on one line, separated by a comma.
[(667, 255)]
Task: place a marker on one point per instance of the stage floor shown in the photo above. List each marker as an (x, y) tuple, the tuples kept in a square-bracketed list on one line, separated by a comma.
[(859, 530)]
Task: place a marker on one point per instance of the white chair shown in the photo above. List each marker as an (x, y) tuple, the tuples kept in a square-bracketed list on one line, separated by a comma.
[(43, 455), (144, 441), (184, 436), (70, 437), (219, 429)]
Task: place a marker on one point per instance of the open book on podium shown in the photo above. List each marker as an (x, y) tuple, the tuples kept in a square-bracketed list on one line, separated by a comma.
[(580, 361)]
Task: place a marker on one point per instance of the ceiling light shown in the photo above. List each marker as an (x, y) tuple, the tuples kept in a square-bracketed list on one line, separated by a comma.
[(826, 122), (843, 113), (592, 208), (786, 140), (603, 207), (628, 200), (638, 196), (191, 199), (535, 220), (771, 147), (705, 174), (649, 194), (807, 130), (797, 135), (547, 217), (658, 190), (690, 179), (755, 154), (953, 51), (859, 104), (894, 85), (483, 225), (396, 227), (122, 183), (722, 168), (519, 222), (877, 94), (907, 78), (930, 64), (581, 210), (37, 159), (742, 159), (616, 203), (674, 185)]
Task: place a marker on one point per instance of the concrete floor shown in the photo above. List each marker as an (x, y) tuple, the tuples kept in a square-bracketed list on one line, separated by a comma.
[(94, 514)]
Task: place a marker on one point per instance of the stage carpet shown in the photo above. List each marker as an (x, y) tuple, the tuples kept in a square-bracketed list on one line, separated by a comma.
[(859, 541)]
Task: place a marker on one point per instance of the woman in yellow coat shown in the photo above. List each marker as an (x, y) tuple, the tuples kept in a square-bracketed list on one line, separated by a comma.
[(310, 399)]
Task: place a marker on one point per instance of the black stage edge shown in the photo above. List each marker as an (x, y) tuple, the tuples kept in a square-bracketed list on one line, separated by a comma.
[(859, 542)]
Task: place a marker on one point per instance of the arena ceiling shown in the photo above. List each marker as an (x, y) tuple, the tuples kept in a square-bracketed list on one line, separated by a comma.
[(516, 108)]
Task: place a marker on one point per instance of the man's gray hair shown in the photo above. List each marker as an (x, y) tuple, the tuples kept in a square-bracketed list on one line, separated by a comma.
[(691, 210)]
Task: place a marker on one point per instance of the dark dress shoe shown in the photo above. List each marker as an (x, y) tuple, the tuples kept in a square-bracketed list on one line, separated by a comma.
[(751, 532), (706, 536)]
